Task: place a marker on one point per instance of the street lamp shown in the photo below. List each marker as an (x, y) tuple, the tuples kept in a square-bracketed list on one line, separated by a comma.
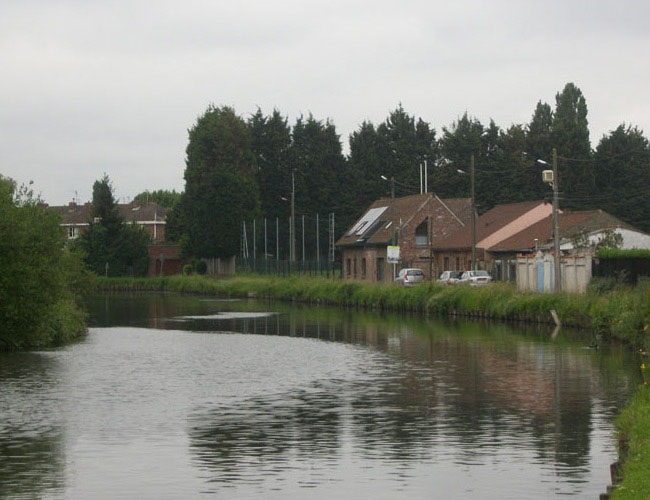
[(392, 214), (551, 177), (473, 211)]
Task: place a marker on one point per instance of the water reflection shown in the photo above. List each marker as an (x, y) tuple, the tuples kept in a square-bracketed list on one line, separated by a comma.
[(30, 427), (268, 400)]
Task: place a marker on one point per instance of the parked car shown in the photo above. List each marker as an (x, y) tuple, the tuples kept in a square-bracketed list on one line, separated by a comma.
[(450, 277), (410, 276), (475, 278)]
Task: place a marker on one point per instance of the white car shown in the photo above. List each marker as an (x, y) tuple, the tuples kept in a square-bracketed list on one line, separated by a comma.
[(410, 276), (450, 277), (475, 278)]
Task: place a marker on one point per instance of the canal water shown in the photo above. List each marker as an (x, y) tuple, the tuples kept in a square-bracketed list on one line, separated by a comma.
[(183, 397)]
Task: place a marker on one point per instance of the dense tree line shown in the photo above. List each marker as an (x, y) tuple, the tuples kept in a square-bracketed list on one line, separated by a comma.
[(240, 168)]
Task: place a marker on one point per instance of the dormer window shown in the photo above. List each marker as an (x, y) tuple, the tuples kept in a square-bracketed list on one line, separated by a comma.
[(422, 234)]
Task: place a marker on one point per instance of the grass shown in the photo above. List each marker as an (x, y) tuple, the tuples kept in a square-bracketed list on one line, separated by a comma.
[(617, 313), (634, 427)]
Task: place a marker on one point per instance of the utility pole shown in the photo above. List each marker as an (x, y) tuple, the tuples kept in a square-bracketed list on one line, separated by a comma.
[(392, 208), (557, 282), (293, 216), (303, 238), (277, 240), (473, 217)]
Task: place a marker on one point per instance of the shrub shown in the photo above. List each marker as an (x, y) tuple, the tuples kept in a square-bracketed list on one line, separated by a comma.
[(188, 269), (201, 267)]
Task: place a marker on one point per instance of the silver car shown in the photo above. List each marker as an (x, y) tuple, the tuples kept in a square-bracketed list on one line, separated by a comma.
[(449, 277), (410, 276), (475, 278)]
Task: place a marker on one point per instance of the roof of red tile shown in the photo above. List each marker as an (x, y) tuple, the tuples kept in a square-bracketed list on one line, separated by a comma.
[(131, 212), (571, 223), (399, 212), (488, 223)]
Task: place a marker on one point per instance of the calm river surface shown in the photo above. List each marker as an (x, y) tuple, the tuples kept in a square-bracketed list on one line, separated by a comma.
[(185, 397)]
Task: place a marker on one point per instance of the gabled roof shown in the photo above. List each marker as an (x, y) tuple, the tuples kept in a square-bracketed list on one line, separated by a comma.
[(571, 224), (130, 212), (385, 215), (489, 223)]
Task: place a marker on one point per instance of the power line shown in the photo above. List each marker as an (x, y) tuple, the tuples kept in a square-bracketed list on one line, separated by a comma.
[(611, 157)]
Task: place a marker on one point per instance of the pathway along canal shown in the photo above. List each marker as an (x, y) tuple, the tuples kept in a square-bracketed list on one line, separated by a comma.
[(182, 397)]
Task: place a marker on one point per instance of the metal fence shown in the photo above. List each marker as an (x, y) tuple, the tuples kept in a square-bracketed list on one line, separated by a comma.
[(326, 269)]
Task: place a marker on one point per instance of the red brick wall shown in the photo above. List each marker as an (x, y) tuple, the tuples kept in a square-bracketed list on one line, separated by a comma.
[(173, 264), (370, 254)]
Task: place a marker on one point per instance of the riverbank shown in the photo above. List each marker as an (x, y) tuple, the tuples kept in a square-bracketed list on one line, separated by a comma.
[(634, 437), (616, 314)]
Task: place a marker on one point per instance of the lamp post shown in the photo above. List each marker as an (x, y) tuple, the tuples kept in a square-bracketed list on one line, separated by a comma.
[(554, 181), (392, 215), (473, 210), (292, 218)]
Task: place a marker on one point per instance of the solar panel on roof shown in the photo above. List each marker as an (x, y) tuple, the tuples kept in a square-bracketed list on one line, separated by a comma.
[(366, 221)]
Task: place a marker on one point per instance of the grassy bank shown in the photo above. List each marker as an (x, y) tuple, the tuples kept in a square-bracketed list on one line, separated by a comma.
[(616, 313), (634, 428)]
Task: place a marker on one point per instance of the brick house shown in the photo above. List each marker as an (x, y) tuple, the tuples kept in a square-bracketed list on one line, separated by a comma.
[(151, 216), (418, 222), (493, 227)]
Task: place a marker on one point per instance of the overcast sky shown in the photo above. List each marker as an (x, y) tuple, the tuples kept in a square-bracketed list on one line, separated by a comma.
[(88, 87)]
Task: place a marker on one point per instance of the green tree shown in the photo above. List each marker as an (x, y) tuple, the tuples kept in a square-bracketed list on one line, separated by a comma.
[(111, 246), (405, 144), (538, 146), (316, 158), (163, 197), (37, 302), (271, 142), (622, 174), (570, 135), (395, 148), (220, 187), (456, 146)]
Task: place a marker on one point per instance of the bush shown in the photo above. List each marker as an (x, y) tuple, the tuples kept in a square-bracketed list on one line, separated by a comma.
[(600, 285), (188, 269), (38, 276), (201, 267)]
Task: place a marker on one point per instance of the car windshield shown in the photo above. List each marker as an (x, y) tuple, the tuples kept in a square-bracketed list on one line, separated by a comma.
[(455, 274), (480, 273), (414, 272)]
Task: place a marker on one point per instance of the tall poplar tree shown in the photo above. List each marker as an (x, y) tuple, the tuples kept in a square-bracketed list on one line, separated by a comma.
[(570, 135)]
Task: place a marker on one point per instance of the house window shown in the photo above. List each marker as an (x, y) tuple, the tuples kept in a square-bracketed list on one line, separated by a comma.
[(446, 264), (72, 232), (363, 268), (457, 263), (422, 234), (380, 269), (348, 267), (355, 267)]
